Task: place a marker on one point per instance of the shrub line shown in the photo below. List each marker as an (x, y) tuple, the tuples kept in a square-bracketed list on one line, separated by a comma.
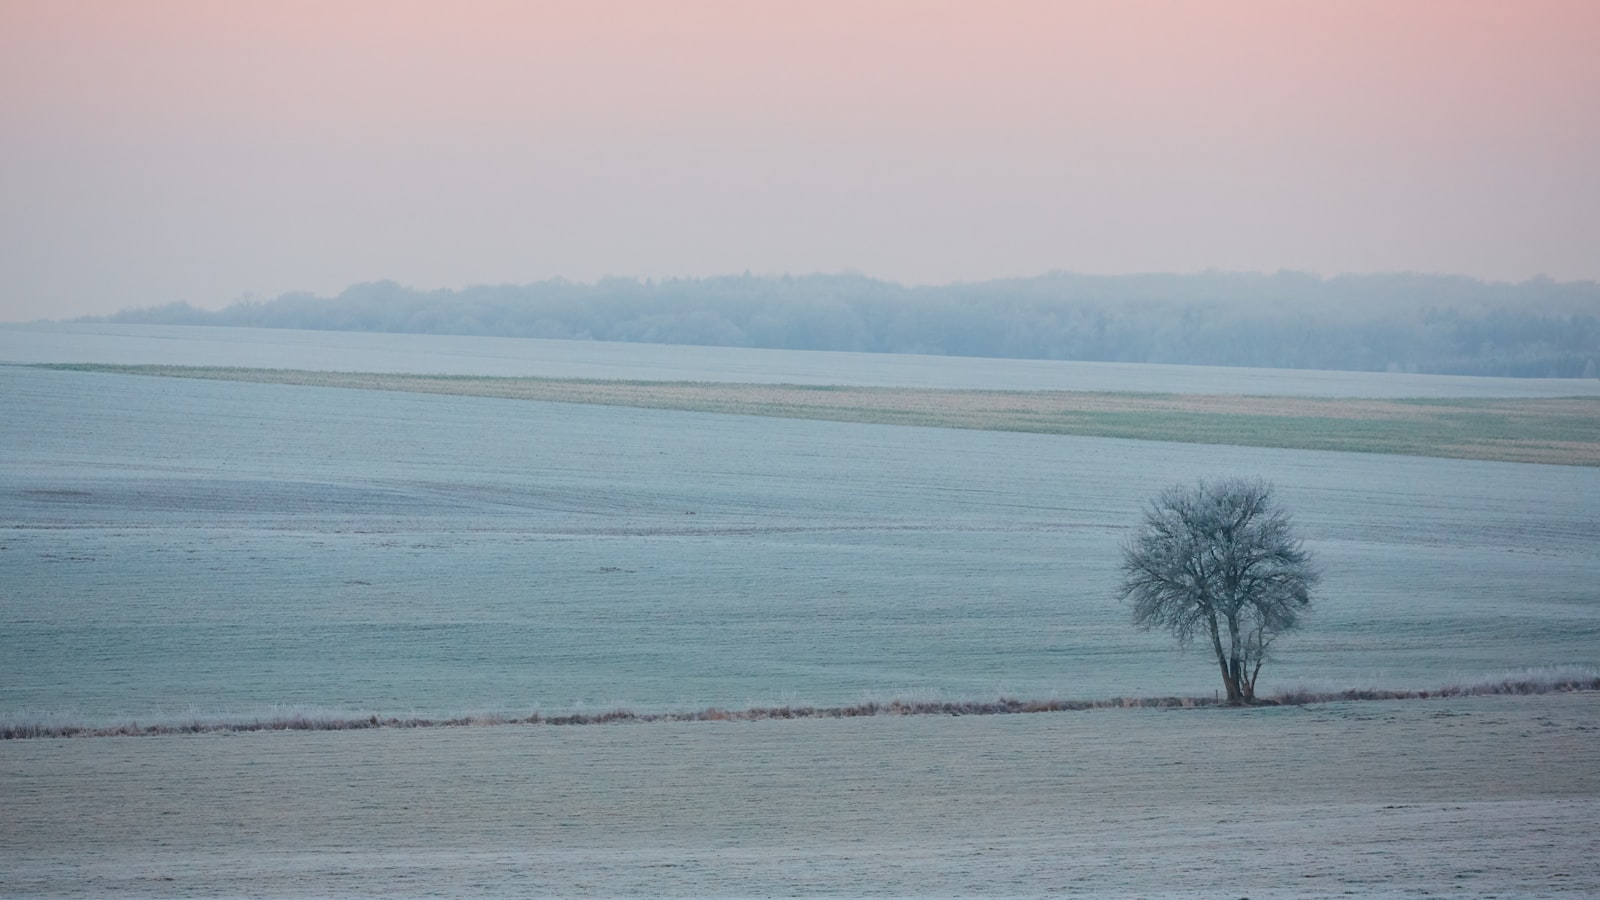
[(1001, 706)]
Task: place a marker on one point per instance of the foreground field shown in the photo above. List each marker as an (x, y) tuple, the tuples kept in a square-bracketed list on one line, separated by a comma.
[(1461, 797), (1562, 430)]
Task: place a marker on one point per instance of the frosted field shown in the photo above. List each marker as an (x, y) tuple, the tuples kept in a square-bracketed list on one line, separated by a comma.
[(1489, 797), (177, 546), (174, 549)]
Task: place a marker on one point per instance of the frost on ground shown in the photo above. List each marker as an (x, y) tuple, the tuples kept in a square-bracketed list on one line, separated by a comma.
[(1458, 796)]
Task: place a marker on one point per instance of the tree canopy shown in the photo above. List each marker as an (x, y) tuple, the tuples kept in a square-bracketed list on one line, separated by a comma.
[(1220, 562), (1412, 323)]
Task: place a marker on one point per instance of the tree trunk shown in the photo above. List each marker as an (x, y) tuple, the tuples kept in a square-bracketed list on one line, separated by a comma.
[(1234, 674), (1229, 681)]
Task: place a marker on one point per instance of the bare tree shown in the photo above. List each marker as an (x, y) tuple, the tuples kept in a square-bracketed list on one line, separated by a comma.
[(1221, 561)]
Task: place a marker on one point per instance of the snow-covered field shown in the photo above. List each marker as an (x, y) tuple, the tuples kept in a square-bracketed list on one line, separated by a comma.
[(1483, 797)]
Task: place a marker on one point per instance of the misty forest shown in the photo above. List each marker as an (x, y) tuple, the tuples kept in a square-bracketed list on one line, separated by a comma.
[(1432, 324)]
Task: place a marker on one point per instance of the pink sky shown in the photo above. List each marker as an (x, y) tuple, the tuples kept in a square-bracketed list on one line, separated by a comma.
[(201, 151)]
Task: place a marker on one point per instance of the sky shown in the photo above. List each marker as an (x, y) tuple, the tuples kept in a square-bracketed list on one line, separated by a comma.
[(206, 152)]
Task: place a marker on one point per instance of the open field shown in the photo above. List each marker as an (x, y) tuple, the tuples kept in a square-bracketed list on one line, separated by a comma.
[(182, 550), (1466, 797), (1543, 430)]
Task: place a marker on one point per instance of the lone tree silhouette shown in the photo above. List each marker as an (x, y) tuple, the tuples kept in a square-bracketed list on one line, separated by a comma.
[(1219, 560)]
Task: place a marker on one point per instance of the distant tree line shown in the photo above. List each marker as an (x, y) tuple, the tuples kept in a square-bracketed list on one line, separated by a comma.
[(1400, 322)]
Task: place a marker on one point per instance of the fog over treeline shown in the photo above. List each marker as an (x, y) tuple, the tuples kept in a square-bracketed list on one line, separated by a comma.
[(1405, 322)]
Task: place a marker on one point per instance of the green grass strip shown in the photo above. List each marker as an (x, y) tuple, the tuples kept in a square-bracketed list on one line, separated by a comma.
[(1562, 431)]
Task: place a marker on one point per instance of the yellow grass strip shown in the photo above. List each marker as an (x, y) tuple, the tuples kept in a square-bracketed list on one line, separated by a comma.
[(1564, 431)]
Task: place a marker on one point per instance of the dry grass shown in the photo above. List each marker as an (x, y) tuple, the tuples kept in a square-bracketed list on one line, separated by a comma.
[(1564, 431), (1527, 682)]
